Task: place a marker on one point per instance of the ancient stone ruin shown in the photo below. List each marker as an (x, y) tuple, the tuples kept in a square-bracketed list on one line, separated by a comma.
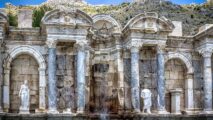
[(80, 65)]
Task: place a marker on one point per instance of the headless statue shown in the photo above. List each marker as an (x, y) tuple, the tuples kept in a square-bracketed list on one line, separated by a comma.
[(146, 95)]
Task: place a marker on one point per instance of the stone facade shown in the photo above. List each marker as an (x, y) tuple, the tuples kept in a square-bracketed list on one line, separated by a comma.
[(76, 63)]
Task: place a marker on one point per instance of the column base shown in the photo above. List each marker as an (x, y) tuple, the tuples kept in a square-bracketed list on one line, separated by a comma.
[(67, 111), (136, 111), (189, 112), (80, 112), (206, 112), (1, 110), (162, 112), (40, 111), (120, 112), (177, 113), (24, 111), (52, 111)]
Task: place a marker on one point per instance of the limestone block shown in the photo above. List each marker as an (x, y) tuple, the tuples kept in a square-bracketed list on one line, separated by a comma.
[(25, 18), (178, 30)]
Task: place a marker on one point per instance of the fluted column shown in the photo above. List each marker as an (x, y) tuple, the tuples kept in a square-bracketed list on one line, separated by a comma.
[(81, 81), (160, 81), (52, 100), (135, 85), (207, 79)]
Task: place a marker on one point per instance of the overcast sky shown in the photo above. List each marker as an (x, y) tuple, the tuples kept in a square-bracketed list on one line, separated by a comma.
[(35, 2)]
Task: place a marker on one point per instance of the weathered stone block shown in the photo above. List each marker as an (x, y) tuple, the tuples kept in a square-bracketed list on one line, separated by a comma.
[(25, 18)]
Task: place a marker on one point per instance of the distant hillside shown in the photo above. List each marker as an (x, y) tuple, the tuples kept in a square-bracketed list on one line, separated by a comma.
[(57, 3), (193, 16)]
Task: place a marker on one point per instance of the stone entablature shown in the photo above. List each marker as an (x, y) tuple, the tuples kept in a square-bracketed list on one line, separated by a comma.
[(101, 52)]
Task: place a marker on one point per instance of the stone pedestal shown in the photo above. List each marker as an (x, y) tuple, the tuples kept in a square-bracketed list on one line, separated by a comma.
[(175, 93)]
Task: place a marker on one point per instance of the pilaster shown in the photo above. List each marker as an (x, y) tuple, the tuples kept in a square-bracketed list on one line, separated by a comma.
[(206, 52)]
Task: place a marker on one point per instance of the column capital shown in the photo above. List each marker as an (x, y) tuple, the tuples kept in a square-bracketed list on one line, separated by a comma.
[(206, 51), (160, 48), (81, 45), (134, 45), (51, 43)]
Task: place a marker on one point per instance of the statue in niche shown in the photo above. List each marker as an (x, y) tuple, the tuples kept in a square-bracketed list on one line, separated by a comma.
[(24, 94), (146, 95)]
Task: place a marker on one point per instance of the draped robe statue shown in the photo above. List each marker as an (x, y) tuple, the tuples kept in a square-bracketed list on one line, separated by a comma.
[(24, 95)]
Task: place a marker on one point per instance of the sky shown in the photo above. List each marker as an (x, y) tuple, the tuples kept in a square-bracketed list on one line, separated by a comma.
[(95, 2)]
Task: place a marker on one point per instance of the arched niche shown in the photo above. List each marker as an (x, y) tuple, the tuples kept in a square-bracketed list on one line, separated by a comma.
[(24, 50), (181, 68)]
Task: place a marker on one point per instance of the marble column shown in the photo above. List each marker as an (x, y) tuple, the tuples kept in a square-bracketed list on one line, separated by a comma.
[(52, 94), (81, 81), (135, 85), (207, 79), (160, 81)]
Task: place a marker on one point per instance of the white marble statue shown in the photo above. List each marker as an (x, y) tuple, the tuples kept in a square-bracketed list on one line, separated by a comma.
[(146, 95), (24, 95)]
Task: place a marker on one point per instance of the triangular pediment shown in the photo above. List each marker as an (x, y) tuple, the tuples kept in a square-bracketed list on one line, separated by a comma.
[(149, 23), (67, 17)]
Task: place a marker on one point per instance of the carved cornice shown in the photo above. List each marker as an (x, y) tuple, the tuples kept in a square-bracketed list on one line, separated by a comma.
[(51, 43)]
